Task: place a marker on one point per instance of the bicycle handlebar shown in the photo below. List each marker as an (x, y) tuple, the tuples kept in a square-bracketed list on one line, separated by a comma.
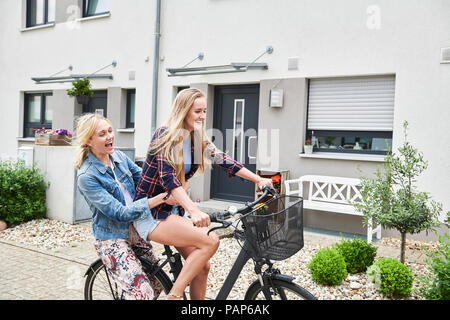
[(220, 217)]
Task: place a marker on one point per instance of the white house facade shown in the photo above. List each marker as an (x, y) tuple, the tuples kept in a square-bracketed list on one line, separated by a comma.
[(343, 74)]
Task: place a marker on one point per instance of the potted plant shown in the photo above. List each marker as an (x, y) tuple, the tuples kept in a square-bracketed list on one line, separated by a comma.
[(81, 89), (49, 137), (42, 136), (308, 146), (276, 181)]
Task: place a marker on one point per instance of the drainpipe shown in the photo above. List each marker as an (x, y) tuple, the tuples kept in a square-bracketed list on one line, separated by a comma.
[(156, 66)]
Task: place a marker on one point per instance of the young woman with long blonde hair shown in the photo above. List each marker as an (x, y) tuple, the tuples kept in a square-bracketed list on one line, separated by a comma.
[(178, 150)]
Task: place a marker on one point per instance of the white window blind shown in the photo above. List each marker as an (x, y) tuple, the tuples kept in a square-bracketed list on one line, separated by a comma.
[(354, 104)]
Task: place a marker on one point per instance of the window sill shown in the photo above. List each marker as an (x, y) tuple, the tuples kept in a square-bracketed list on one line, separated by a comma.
[(344, 156), (100, 16), (30, 139), (44, 26), (126, 130)]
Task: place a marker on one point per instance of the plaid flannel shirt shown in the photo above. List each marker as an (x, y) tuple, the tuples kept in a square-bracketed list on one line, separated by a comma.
[(159, 176)]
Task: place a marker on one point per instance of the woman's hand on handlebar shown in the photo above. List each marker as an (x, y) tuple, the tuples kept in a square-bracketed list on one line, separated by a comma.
[(200, 219), (264, 182)]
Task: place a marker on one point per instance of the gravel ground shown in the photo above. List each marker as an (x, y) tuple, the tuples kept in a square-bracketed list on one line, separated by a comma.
[(52, 234)]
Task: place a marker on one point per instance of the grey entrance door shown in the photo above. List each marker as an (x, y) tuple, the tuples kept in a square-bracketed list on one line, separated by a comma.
[(236, 117), (97, 103)]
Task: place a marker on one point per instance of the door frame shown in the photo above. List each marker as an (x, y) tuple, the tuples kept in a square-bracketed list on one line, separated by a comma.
[(215, 120)]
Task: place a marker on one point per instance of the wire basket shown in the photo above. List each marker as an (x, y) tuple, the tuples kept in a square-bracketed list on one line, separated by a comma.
[(275, 229)]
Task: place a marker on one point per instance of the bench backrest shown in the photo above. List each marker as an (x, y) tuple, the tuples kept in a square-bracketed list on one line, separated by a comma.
[(326, 188)]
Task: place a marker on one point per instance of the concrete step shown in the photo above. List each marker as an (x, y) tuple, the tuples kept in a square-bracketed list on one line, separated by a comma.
[(213, 205)]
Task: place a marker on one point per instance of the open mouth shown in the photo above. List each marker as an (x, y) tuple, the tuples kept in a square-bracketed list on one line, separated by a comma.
[(109, 144)]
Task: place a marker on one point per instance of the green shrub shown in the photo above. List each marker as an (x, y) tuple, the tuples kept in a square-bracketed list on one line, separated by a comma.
[(22, 192), (393, 277), (328, 267), (436, 284), (358, 254), (80, 87)]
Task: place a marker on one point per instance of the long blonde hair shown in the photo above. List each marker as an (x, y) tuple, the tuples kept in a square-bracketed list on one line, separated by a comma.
[(86, 125), (170, 144)]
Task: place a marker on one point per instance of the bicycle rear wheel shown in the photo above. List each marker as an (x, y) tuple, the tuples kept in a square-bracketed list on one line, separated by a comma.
[(279, 290), (99, 285)]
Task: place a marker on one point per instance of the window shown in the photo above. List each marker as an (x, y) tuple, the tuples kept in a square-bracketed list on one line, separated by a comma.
[(95, 7), (40, 12), (38, 113), (351, 115), (182, 88), (131, 98)]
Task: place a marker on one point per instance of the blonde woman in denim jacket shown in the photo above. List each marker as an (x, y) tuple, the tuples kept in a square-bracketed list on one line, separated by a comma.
[(106, 179)]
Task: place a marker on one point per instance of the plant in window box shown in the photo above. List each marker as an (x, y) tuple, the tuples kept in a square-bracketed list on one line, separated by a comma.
[(308, 146), (58, 137), (81, 89), (42, 136)]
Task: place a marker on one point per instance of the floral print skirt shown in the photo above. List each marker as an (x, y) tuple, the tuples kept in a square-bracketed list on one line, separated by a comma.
[(125, 268)]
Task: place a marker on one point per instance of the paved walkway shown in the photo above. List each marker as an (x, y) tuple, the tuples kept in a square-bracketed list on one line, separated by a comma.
[(35, 274)]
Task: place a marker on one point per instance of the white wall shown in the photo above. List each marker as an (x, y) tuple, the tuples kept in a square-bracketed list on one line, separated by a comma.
[(330, 38), (125, 36)]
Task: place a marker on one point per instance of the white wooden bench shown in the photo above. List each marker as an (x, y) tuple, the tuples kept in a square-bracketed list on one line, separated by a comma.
[(332, 194)]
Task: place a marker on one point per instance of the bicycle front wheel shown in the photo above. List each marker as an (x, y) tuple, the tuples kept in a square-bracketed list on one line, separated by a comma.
[(99, 284), (278, 290)]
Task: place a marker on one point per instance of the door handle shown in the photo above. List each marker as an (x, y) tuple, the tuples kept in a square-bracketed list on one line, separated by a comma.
[(252, 155)]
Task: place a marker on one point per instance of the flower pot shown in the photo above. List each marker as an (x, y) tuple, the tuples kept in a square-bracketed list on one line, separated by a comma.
[(42, 139), (3, 225), (60, 140), (83, 99), (308, 149)]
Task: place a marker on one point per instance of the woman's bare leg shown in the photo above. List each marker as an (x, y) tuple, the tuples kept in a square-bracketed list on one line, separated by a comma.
[(197, 287), (179, 232)]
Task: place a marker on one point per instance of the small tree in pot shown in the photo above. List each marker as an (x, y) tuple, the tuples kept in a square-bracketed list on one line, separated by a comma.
[(81, 89), (391, 199)]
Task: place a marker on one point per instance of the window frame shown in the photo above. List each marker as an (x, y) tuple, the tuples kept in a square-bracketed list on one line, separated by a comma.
[(28, 14), (35, 125), (86, 14), (128, 123), (344, 133)]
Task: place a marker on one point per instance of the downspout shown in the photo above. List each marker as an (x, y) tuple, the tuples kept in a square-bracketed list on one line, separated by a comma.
[(156, 67)]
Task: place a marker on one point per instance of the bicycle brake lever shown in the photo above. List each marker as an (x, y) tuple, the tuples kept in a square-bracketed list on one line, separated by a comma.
[(226, 224)]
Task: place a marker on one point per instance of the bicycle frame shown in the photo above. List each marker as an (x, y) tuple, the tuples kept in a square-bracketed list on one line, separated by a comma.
[(174, 261), (244, 255)]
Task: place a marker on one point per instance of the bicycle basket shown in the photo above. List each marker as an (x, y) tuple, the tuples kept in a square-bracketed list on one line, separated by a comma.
[(275, 229)]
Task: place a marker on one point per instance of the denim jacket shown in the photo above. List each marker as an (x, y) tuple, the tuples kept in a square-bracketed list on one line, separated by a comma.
[(110, 215)]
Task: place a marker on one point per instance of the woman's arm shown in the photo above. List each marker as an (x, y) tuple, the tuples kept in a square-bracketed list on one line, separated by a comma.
[(156, 200), (199, 218), (248, 175), (96, 195), (235, 168)]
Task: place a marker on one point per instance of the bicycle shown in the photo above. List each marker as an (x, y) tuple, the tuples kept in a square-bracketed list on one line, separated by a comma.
[(271, 231)]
